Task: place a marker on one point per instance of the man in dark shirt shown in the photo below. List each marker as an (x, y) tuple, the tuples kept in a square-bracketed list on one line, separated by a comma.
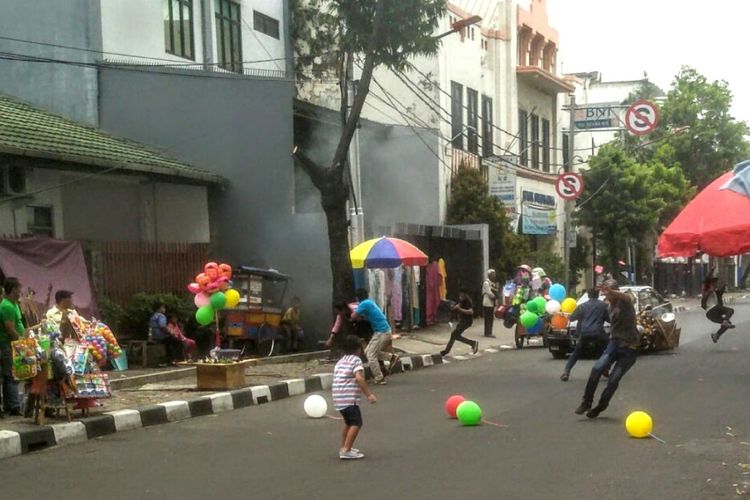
[(465, 310), (621, 351), (591, 316)]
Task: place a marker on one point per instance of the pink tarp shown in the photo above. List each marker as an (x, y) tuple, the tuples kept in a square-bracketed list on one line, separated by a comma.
[(39, 262)]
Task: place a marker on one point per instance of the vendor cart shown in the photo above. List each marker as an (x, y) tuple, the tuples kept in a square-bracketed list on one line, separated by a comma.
[(254, 323)]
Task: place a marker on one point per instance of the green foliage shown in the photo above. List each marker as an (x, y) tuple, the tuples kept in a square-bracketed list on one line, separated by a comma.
[(112, 314), (132, 320), (470, 203), (636, 200), (715, 140), (548, 258), (324, 29)]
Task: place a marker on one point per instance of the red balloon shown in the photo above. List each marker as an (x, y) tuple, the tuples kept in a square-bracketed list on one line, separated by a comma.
[(451, 404), (194, 288)]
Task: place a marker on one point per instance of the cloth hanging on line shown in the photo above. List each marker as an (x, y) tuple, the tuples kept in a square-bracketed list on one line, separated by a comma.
[(444, 280), (433, 292), (396, 295)]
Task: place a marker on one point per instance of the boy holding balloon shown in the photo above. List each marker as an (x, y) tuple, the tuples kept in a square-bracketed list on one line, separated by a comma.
[(348, 385)]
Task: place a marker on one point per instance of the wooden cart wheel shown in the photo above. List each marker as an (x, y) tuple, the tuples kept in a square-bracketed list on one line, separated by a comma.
[(266, 340), (519, 337)]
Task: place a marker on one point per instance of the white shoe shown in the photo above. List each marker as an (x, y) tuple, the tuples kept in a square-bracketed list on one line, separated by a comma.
[(350, 455)]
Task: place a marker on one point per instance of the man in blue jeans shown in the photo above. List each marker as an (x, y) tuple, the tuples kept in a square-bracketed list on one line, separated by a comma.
[(11, 328), (621, 351), (591, 316)]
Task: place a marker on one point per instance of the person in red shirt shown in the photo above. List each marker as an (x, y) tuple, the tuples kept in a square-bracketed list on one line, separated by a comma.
[(188, 344)]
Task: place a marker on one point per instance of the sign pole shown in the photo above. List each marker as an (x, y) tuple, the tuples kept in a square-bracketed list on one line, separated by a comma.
[(568, 207)]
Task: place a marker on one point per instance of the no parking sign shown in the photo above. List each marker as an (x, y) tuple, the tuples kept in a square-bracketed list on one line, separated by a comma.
[(569, 185), (642, 117)]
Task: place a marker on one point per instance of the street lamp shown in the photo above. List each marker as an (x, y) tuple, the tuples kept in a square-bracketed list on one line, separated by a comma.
[(459, 25)]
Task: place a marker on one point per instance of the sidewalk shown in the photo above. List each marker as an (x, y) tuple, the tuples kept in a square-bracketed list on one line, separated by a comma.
[(433, 339)]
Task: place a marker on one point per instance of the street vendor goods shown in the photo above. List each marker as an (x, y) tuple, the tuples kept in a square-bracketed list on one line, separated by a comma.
[(25, 359)]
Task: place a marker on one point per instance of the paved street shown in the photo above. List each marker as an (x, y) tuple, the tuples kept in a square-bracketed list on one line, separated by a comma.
[(697, 397)]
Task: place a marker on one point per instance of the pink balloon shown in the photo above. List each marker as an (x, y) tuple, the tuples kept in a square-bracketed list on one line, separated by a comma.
[(194, 288), (202, 299)]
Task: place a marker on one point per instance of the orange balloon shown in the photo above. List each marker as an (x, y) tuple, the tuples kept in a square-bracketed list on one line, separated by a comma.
[(211, 270), (559, 322), (225, 271), (203, 280)]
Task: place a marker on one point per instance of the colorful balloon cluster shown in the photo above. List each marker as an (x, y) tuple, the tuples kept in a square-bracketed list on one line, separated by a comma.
[(213, 292), (98, 347), (113, 348)]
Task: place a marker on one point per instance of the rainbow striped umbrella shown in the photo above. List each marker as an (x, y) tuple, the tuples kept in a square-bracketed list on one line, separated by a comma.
[(386, 252)]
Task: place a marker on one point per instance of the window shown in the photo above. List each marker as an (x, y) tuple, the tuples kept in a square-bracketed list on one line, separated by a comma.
[(228, 35), (40, 220), (545, 145), (523, 137), (457, 115), (534, 141), (472, 116), (487, 140), (265, 24), (178, 28)]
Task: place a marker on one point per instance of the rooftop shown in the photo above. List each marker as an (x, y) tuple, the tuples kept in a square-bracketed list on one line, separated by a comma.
[(32, 132)]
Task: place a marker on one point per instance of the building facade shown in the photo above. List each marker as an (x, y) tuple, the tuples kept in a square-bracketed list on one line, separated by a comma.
[(207, 82)]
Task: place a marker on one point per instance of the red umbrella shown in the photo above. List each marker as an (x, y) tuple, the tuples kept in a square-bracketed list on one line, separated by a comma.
[(716, 221)]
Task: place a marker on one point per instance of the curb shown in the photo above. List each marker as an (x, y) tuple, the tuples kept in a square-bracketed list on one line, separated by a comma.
[(14, 443)]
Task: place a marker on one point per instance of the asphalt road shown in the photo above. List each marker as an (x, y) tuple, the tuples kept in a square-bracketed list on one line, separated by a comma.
[(698, 397)]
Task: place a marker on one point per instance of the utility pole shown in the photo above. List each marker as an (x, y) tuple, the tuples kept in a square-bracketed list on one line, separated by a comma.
[(356, 213), (569, 204)]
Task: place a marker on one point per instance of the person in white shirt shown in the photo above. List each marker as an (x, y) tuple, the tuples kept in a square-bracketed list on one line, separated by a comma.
[(63, 305), (489, 296)]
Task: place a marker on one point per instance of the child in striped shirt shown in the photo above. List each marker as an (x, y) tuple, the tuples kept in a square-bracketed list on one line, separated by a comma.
[(348, 384)]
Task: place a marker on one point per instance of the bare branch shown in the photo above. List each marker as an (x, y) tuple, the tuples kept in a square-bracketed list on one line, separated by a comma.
[(362, 89), (318, 175)]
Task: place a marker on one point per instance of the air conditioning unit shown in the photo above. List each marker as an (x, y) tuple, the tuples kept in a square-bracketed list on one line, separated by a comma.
[(13, 180)]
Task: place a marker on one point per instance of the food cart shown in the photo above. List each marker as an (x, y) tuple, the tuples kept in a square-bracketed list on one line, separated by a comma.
[(254, 323)]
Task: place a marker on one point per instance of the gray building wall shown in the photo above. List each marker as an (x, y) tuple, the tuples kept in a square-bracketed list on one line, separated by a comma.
[(399, 174), (66, 89), (240, 128)]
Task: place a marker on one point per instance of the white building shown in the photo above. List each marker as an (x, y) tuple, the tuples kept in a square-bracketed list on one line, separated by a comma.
[(491, 95)]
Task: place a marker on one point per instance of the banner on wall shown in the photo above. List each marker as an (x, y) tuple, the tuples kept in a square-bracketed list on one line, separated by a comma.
[(538, 221)]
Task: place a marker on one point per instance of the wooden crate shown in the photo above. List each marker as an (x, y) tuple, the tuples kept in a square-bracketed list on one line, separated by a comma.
[(220, 376)]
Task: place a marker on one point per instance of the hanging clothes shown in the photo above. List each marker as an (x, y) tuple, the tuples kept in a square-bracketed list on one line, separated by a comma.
[(414, 296), (444, 280), (378, 287), (432, 284), (396, 294)]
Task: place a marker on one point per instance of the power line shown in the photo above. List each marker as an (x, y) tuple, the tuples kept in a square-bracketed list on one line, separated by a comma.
[(130, 67), (171, 62)]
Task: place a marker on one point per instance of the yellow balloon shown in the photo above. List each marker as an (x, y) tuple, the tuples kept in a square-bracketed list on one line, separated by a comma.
[(639, 424), (568, 305), (233, 298)]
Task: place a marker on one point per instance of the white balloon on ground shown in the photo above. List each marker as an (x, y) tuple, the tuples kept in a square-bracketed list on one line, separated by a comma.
[(316, 406)]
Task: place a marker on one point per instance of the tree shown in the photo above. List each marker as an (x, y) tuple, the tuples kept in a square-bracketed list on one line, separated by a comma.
[(381, 33), (715, 140), (471, 203), (635, 198)]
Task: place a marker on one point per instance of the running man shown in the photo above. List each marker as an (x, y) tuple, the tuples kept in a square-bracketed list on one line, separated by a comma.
[(465, 310)]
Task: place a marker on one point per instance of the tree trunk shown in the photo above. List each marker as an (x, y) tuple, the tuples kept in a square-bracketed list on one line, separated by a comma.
[(338, 242)]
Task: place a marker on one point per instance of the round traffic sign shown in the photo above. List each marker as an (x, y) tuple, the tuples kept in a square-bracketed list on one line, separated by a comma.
[(569, 185), (642, 117)]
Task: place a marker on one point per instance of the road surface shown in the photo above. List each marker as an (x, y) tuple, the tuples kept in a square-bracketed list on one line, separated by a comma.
[(534, 447)]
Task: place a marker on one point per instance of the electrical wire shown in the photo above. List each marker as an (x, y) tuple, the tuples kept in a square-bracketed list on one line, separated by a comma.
[(171, 63)]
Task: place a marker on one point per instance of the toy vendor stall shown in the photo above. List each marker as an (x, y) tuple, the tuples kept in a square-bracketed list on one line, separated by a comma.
[(64, 370)]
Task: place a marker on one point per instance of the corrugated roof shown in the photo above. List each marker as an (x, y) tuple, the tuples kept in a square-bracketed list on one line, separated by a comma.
[(29, 131)]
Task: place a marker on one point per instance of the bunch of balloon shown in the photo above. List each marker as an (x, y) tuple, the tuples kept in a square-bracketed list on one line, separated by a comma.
[(213, 292)]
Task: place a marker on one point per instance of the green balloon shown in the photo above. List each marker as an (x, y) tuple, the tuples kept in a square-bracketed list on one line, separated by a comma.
[(204, 315), (469, 413), (531, 307), (529, 319), (218, 301), (541, 303)]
